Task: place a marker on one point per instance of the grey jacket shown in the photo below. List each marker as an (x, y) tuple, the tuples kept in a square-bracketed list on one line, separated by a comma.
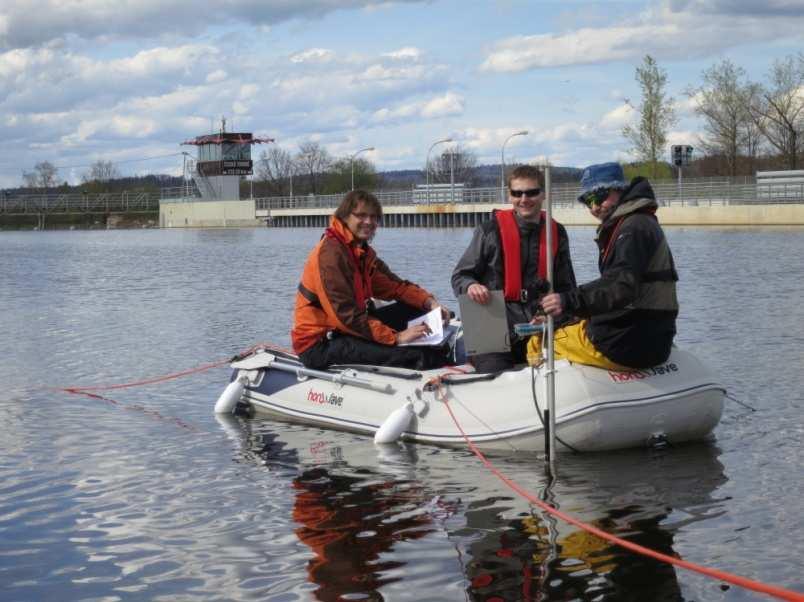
[(482, 263)]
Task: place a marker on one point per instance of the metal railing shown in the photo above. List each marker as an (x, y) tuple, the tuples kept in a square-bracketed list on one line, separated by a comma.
[(699, 191), (187, 193), (123, 202)]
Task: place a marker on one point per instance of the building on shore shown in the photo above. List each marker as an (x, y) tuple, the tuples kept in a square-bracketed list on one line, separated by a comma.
[(210, 196)]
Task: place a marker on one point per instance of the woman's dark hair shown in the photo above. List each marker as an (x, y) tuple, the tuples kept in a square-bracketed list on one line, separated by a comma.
[(353, 199)]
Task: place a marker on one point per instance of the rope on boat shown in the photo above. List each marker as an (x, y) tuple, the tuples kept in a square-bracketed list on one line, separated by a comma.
[(776, 592)]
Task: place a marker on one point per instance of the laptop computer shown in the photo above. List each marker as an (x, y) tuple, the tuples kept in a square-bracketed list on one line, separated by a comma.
[(485, 327)]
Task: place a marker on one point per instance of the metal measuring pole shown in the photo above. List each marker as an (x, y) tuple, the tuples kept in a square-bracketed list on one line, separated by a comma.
[(551, 382)]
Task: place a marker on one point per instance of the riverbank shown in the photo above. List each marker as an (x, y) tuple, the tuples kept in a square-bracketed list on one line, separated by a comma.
[(434, 216), (80, 221)]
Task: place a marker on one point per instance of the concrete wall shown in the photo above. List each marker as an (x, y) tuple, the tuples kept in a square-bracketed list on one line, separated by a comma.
[(716, 215), (208, 214), (577, 215)]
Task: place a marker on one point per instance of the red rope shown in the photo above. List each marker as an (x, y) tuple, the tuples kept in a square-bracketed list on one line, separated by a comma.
[(147, 381), (776, 592), (135, 408), (158, 379)]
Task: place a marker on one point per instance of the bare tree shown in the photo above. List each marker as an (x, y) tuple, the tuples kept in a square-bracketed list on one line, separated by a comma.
[(777, 108), (457, 162), (275, 167), (722, 103), (656, 114), (101, 171), (42, 176), (314, 161)]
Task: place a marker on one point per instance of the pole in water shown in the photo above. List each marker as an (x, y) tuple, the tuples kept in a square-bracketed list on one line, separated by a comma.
[(550, 424)]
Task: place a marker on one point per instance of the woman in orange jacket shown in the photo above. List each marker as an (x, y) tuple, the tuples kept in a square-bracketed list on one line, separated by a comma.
[(334, 320)]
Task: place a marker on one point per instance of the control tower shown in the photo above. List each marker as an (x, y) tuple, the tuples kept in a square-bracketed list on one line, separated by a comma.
[(211, 196)]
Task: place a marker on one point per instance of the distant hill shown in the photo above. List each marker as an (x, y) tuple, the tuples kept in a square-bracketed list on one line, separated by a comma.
[(486, 176)]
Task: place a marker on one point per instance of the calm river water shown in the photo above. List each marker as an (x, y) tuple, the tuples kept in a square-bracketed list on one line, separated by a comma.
[(144, 495)]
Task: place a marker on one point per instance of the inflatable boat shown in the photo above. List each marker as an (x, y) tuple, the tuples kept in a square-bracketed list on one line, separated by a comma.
[(596, 409)]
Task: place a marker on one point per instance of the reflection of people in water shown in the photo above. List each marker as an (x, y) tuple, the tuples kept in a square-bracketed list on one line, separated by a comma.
[(537, 557), (344, 520)]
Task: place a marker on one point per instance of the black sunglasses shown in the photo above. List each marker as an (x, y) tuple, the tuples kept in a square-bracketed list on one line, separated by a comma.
[(531, 192), (594, 197)]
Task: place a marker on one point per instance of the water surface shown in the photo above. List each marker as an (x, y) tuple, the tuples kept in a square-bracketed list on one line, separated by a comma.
[(143, 494)]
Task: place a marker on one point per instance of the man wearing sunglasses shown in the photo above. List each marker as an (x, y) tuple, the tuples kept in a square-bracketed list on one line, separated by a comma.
[(629, 313), (335, 321), (509, 253)]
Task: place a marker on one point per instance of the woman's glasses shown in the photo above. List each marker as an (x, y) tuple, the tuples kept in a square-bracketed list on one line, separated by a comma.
[(367, 217)]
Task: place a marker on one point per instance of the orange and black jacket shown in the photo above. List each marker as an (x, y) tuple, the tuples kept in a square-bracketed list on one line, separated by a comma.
[(339, 279)]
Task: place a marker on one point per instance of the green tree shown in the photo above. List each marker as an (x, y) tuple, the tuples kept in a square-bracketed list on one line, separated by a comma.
[(656, 114), (656, 171), (339, 176)]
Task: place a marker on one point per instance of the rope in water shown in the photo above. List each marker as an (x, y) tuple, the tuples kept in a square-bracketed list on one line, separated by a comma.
[(165, 377), (776, 592)]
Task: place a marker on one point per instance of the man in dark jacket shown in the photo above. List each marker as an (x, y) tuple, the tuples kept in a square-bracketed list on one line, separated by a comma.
[(629, 313), (509, 253)]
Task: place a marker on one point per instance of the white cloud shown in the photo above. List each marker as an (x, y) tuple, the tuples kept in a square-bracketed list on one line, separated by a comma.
[(448, 104), (313, 55), (409, 53), (672, 29), (619, 117), (441, 106), (26, 23)]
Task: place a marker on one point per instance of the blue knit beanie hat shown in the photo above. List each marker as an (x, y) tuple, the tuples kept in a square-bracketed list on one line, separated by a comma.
[(602, 175)]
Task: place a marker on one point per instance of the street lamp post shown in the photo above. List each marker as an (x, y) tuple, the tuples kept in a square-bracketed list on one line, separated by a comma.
[(502, 163), (352, 162), (427, 165), (452, 176), (292, 167)]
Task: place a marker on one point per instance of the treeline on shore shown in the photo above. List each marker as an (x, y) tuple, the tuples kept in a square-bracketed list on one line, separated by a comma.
[(479, 176)]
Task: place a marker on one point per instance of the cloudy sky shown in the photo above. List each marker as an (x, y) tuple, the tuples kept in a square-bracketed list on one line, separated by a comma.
[(82, 80)]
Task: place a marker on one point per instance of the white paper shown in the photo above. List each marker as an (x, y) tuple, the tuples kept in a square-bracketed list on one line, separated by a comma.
[(433, 320)]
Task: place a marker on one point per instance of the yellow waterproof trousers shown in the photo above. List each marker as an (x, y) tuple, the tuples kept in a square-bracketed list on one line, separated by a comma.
[(571, 343)]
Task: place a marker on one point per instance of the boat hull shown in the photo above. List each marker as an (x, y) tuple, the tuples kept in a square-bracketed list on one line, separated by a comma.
[(596, 409)]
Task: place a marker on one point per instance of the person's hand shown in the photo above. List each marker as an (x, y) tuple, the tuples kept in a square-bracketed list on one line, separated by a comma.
[(551, 304), (478, 293), (412, 333)]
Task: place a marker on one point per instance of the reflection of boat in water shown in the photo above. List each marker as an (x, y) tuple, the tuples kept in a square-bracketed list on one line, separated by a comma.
[(363, 510), (596, 409)]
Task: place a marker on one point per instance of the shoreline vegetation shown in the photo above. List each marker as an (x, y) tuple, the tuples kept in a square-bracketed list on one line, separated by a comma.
[(82, 221)]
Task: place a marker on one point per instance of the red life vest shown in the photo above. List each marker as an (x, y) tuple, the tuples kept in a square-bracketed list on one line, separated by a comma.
[(512, 262), (362, 281)]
